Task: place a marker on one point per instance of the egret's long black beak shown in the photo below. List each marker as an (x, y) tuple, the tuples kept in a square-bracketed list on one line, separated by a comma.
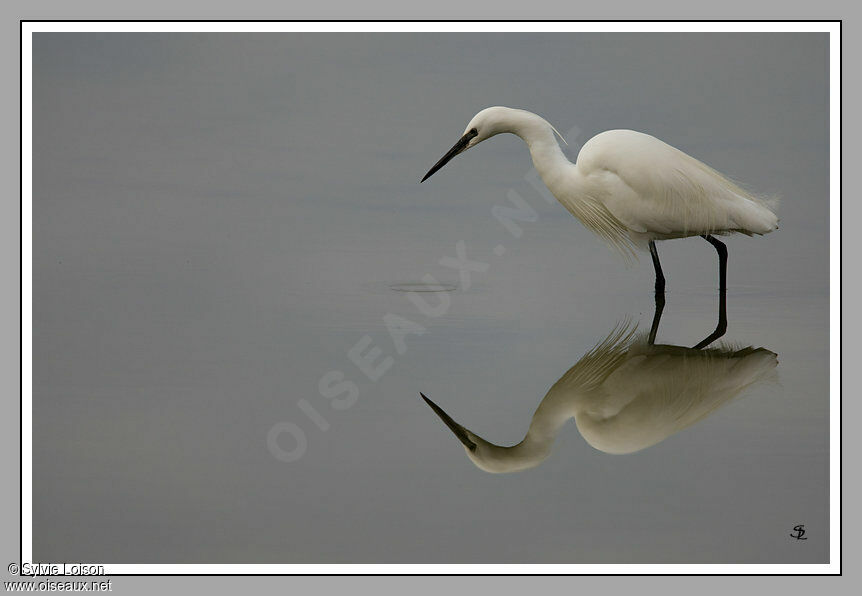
[(460, 146), (456, 428)]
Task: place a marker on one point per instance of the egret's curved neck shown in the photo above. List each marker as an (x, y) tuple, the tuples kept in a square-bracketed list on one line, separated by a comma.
[(548, 157)]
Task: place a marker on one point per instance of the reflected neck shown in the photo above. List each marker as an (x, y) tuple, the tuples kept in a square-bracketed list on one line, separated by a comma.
[(551, 415)]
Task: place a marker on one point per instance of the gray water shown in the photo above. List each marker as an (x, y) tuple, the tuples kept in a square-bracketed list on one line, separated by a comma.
[(219, 219)]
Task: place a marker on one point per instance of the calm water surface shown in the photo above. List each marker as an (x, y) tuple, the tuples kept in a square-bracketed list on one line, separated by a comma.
[(220, 220)]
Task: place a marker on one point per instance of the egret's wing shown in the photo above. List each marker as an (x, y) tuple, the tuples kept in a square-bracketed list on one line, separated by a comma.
[(654, 188)]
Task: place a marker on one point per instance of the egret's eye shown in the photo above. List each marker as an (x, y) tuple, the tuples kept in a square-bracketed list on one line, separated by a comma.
[(474, 132)]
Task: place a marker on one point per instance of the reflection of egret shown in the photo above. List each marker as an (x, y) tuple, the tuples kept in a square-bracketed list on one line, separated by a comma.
[(628, 187), (625, 394)]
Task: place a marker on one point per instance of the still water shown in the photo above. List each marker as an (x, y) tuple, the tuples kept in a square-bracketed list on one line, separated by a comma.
[(229, 344)]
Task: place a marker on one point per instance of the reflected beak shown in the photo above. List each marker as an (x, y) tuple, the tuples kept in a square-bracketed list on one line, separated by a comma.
[(459, 147), (456, 428)]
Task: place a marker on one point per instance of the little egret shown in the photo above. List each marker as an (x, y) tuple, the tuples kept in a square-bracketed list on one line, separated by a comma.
[(629, 187), (625, 395)]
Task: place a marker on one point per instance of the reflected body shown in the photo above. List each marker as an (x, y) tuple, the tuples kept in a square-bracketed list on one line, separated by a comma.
[(630, 188), (626, 394)]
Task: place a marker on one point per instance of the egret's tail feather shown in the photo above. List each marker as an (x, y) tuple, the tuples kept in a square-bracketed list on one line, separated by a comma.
[(754, 214)]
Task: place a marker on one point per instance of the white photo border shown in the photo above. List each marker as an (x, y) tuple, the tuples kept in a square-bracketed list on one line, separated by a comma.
[(832, 27)]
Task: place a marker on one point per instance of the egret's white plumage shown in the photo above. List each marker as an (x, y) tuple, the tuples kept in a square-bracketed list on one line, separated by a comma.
[(628, 187), (625, 395), (657, 192)]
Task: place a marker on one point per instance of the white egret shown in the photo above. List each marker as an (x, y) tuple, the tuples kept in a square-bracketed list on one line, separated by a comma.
[(625, 395), (630, 188)]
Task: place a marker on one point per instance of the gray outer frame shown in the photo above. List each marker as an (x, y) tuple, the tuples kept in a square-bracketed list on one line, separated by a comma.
[(390, 9)]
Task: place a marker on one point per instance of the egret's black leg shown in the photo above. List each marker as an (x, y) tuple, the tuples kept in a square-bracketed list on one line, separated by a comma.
[(722, 259), (721, 328), (659, 276), (656, 319)]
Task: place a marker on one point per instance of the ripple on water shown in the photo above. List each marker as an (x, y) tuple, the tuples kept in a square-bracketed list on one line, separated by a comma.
[(422, 287)]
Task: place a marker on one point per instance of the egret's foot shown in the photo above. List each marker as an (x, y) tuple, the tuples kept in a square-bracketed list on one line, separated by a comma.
[(721, 327)]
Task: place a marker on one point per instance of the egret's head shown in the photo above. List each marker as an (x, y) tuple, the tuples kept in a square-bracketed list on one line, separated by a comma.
[(492, 121), (484, 125), (486, 455)]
